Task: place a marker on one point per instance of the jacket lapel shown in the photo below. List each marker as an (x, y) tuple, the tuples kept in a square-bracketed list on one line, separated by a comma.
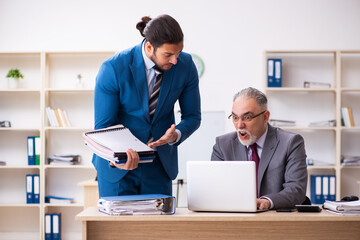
[(139, 76), (270, 145), (239, 150)]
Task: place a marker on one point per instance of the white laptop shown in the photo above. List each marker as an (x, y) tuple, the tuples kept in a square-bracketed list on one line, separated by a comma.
[(221, 186)]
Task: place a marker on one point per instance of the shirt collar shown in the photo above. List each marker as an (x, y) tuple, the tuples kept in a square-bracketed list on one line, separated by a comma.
[(148, 63), (260, 142)]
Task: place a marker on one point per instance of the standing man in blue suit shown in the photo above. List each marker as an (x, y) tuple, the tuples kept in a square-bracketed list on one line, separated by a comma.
[(125, 85)]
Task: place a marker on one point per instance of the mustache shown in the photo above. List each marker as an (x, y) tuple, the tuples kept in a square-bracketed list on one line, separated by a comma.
[(243, 130)]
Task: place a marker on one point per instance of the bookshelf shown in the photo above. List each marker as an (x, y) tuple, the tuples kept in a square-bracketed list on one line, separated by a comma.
[(291, 101), (50, 80)]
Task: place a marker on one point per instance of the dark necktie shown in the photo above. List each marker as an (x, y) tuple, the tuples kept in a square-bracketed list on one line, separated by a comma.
[(154, 97), (256, 159), (155, 94)]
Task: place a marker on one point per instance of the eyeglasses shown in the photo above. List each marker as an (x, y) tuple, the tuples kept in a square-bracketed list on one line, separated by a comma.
[(246, 117)]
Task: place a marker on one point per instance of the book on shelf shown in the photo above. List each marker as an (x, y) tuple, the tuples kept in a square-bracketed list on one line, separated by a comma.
[(282, 123), (63, 159), (57, 117), (308, 84), (347, 119), (5, 124), (112, 143), (2, 163), (329, 123), (52, 226), (142, 204), (58, 200)]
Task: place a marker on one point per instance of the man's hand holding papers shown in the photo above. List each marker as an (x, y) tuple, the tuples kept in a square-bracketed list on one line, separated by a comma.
[(131, 163)]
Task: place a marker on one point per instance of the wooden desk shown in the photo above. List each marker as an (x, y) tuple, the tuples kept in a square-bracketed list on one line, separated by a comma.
[(194, 225), (91, 193)]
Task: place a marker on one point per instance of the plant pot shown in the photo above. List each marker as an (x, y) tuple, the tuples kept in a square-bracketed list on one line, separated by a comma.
[(13, 83)]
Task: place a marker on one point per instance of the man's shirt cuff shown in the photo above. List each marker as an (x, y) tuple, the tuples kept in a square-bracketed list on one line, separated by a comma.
[(178, 137)]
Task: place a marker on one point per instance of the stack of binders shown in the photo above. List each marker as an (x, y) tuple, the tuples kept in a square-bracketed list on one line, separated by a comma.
[(323, 188), (137, 204), (274, 69), (112, 143), (32, 188), (52, 226), (34, 150)]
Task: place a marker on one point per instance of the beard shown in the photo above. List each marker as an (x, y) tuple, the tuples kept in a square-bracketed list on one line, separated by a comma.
[(252, 138)]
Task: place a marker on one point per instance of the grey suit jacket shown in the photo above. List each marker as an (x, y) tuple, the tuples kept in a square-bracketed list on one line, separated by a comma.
[(282, 174)]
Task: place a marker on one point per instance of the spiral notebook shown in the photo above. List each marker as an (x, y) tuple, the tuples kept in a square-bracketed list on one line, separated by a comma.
[(112, 143)]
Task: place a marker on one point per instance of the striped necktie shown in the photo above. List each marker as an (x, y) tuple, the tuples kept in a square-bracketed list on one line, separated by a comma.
[(155, 94), (154, 97)]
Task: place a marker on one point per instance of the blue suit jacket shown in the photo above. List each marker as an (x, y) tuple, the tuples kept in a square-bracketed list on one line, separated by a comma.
[(121, 97)]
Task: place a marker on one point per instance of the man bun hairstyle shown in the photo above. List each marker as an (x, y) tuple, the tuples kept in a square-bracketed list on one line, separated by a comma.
[(160, 30)]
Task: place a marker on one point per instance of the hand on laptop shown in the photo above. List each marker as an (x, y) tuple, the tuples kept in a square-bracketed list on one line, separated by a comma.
[(263, 203)]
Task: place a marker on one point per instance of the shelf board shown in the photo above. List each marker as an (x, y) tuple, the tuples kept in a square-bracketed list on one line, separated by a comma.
[(69, 166), (300, 52), (309, 128), (68, 128), (321, 167), (70, 90), (20, 167), (291, 89), (18, 129), (37, 205), (350, 128), (20, 91), (350, 90)]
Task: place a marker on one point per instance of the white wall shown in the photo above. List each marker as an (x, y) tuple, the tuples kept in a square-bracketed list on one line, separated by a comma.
[(230, 35)]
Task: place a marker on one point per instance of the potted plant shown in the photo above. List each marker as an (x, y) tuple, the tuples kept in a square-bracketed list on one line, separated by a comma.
[(13, 77)]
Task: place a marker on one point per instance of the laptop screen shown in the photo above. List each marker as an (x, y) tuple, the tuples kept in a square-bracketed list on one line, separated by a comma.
[(226, 186)]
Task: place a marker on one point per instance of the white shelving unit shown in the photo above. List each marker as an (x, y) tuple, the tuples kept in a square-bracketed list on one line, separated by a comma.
[(50, 79), (324, 145)]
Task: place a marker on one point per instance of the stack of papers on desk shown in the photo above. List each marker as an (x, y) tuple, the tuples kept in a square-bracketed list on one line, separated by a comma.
[(112, 143), (137, 204), (344, 208)]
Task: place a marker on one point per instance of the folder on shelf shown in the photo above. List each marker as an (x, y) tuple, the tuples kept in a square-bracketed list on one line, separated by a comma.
[(278, 72), (270, 72), (37, 147), (137, 204), (316, 189), (29, 189), (58, 200), (332, 188), (112, 143), (31, 150), (48, 226), (325, 187), (56, 226), (36, 188)]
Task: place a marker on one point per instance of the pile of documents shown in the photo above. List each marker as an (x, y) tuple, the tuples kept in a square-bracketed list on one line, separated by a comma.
[(58, 200), (350, 161), (344, 208), (112, 143), (282, 123), (59, 159), (137, 204), (329, 123)]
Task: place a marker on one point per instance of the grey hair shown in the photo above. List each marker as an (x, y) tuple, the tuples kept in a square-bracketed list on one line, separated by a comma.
[(250, 92)]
